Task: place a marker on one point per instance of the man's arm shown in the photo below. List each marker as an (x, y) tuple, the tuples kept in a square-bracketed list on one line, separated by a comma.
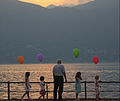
[(65, 76), (53, 73)]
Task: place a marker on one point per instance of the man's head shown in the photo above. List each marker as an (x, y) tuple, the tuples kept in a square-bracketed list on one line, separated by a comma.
[(59, 61)]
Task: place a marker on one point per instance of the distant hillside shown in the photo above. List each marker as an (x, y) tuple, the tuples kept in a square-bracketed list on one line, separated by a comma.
[(27, 29)]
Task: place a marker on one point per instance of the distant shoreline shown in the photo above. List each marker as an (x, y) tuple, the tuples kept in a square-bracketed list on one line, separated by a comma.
[(63, 63)]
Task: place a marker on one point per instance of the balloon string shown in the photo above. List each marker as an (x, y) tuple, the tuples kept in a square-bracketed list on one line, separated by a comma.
[(96, 69)]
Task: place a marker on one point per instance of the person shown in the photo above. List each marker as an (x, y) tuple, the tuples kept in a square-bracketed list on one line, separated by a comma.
[(58, 73), (78, 84), (42, 86), (27, 86), (97, 86)]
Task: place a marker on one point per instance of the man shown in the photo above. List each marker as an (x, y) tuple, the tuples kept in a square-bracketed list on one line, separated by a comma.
[(58, 73)]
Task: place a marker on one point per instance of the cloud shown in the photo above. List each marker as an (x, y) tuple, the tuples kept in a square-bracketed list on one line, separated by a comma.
[(65, 3)]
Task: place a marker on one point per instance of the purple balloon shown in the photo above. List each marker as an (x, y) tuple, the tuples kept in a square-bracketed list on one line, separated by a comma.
[(40, 57)]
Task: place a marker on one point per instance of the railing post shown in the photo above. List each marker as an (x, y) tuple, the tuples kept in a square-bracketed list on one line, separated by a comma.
[(47, 90), (8, 90), (85, 91)]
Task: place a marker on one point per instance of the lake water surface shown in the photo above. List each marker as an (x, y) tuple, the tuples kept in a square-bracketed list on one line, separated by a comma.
[(16, 72)]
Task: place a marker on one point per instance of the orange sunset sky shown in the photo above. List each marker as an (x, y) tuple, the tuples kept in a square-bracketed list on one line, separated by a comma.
[(66, 3)]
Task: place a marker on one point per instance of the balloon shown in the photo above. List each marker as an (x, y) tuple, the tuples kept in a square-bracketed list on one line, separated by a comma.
[(21, 59), (40, 57), (95, 59), (76, 52)]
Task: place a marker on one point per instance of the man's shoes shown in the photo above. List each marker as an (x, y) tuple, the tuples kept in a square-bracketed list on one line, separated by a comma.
[(60, 98)]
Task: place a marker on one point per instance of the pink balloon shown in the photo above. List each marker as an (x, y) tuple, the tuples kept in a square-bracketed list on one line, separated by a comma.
[(40, 57)]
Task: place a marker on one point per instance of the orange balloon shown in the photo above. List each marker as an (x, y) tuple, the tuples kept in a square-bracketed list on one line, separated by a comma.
[(20, 59)]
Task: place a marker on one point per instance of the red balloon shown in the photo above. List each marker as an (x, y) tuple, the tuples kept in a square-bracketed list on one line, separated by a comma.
[(95, 59), (21, 59)]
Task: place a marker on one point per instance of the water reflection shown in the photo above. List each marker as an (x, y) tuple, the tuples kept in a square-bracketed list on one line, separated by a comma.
[(107, 72)]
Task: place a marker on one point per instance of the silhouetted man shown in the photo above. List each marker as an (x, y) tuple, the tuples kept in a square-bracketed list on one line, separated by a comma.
[(58, 73)]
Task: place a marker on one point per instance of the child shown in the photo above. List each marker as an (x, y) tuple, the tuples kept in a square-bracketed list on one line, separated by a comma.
[(78, 84), (42, 85), (27, 86), (97, 87)]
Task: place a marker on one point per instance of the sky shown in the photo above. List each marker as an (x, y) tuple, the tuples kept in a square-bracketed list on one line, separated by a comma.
[(65, 3), (27, 29)]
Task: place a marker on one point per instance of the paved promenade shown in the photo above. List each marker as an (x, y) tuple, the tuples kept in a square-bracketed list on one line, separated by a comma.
[(67, 100)]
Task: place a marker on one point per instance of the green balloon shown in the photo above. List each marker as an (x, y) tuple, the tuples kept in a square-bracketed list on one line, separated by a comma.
[(76, 52)]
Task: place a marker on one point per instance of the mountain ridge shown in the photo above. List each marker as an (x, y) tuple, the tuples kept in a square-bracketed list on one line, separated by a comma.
[(29, 30)]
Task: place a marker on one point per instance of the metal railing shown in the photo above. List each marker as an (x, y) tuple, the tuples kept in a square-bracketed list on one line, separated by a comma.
[(47, 83)]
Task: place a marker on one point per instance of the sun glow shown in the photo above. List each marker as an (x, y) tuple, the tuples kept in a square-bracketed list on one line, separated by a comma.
[(65, 3)]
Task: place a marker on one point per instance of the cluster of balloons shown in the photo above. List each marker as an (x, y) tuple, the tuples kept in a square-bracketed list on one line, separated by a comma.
[(76, 54), (21, 58), (40, 57)]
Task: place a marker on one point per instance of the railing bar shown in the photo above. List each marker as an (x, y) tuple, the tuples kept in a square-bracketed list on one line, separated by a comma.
[(8, 90), (85, 90), (71, 82), (64, 91), (85, 82)]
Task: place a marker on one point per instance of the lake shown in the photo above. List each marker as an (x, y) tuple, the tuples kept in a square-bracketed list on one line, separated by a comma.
[(16, 72)]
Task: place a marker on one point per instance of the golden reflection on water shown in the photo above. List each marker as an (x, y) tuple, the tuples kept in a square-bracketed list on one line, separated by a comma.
[(16, 72), (45, 3)]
